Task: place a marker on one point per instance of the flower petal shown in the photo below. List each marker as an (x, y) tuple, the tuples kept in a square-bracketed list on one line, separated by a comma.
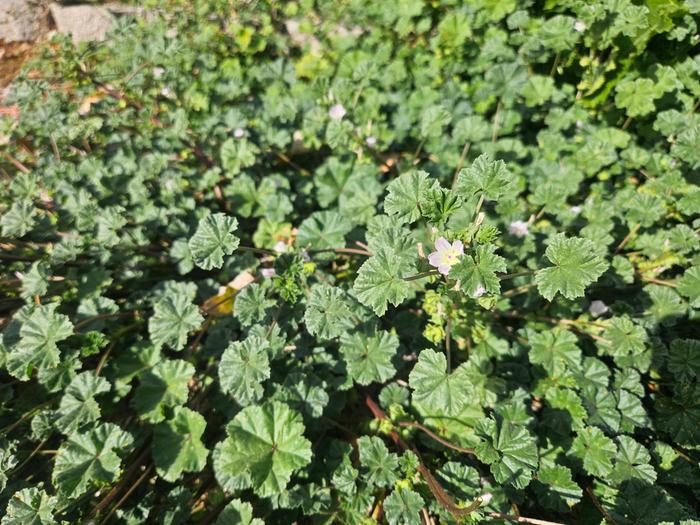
[(434, 259), (442, 244), (444, 269), (457, 245)]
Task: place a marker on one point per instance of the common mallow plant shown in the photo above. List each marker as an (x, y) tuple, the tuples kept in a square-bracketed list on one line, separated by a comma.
[(394, 262)]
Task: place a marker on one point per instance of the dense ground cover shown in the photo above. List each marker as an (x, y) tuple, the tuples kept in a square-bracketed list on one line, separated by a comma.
[(398, 262)]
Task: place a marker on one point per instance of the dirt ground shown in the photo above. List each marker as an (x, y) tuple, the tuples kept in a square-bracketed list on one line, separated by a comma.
[(14, 54)]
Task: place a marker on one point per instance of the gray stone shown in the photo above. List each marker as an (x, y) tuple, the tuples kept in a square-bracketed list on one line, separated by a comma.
[(82, 22), (22, 20)]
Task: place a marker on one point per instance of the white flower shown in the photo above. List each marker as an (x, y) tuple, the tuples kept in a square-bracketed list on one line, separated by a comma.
[(518, 229), (371, 141), (575, 210), (445, 255), (337, 112), (268, 272), (239, 133), (166, 92), (305, 256), (478, 292), (280, 247), (579, 26), (486, 498), (579, 124), (298, 136), (158, 72), (597, 308)]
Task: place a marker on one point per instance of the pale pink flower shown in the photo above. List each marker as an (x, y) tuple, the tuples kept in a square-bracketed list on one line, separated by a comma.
[(486, 498), (579, 26), (158, 72), (518, 229), (597, 308), (371, 141), (280, 247), (268, 272), (337, 112), (239, 133), (445, 255), (478, 291), (575, 210)]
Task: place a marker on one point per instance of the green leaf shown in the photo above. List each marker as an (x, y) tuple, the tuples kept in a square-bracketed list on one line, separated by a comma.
[(174, 316), (556, 489), (323, 229), (636, 96), (177, 444), (689, 286), (251, 304), (380, 281), (576, 265), (679, 415), (163, 386), (18, 220), (595, 450), (684, 359), (267, 443), (555, 350), (379, 466), (434, 387), (328, 314), (433, 121), (509, 449), (403, 507), (405, 193), (30, 506), (36, 281), (632, 462), (243, 368), (238, 512), (78, 404), (89, 459), (213, 239), (368, 356), (37, 346), (622, 337), (485, 177), (438, 204), (237, 154), (480, 270)]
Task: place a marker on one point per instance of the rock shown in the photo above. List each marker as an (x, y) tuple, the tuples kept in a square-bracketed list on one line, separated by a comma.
[(22, 20), (82, 22)]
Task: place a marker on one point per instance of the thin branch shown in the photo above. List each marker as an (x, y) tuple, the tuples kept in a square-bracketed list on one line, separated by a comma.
[(516, 274), (460, 163), (661, 282), (353, 251), (598, 506), (521, 519), (260, 251), (628, 237), (496, 123), (434, 485), (17, 164), (442, 441), (128, 493), (92, 318), (429, 273), (448, 349)]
